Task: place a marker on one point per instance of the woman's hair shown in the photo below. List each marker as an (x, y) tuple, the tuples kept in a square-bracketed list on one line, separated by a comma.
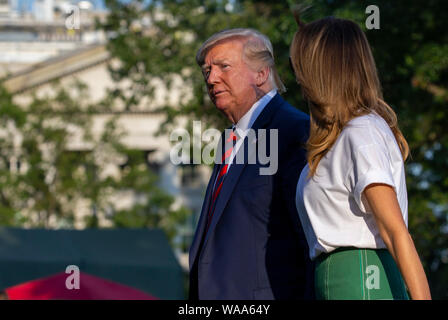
[(334, 65)]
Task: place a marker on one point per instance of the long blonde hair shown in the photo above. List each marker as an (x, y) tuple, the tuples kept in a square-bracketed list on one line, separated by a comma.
[(334, 65)]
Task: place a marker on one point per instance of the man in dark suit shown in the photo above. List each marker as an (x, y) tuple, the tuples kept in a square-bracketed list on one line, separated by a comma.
[(249, 243)]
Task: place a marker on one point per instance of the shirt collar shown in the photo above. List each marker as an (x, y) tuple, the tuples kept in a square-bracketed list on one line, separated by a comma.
[(246, 122)]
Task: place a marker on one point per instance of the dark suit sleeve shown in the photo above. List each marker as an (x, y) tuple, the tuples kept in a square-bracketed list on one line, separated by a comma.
[(292, 162)]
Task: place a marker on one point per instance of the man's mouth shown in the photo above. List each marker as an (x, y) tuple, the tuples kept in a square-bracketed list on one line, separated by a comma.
[(216, 93)]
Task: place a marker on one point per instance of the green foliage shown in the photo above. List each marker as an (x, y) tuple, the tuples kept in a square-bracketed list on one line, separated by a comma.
[(55, 181), (411, 55)]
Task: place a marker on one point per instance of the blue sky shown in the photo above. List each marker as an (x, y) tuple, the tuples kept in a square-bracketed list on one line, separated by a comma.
[(27, 5)]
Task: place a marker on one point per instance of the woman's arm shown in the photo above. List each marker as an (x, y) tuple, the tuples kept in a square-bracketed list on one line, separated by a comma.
[(386, 210)]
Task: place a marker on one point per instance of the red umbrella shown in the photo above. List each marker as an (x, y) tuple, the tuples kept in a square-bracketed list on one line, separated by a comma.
[(90, 288)]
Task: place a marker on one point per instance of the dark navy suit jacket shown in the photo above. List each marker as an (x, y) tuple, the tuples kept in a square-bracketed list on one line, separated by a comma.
[(255, 247)]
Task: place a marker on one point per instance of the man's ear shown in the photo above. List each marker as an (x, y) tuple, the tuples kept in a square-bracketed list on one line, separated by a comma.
[(262, 76)]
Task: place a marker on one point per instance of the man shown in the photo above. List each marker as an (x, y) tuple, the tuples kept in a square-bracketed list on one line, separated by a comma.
[(249, 243)]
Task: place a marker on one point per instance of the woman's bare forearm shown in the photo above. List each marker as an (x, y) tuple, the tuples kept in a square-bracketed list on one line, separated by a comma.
[(405, 255), (386, 210)]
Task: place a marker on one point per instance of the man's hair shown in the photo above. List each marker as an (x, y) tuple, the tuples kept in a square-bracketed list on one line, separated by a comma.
[(256, 48)]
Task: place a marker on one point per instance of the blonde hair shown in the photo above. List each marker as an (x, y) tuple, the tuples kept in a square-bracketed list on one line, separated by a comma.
[(334, 65), (256, 49)]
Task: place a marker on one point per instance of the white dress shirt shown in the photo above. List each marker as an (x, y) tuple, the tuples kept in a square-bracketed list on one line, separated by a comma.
[(246, 122), (331, 205)]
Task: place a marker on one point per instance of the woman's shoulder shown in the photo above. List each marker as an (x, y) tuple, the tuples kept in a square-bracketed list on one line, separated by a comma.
[(370, 119), (366, 130)]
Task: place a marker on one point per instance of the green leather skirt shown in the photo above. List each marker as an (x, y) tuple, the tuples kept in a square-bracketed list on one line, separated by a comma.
[(358, 274)]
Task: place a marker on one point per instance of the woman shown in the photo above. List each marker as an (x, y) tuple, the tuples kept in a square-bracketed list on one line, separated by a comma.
[(351, 196)]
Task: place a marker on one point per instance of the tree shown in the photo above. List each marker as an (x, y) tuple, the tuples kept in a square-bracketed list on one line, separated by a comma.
[(160, 39), (45, 182)]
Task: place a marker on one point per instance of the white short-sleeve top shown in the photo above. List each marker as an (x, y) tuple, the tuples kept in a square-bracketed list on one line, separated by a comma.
[(331, 205)]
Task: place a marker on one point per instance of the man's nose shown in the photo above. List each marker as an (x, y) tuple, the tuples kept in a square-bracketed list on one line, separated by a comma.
[(213, 76)]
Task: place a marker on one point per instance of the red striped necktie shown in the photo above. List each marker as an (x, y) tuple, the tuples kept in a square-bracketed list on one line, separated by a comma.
[(230, 144)]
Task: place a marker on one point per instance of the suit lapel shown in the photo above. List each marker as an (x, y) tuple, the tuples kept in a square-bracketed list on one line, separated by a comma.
[(203, 217), (235, 170)]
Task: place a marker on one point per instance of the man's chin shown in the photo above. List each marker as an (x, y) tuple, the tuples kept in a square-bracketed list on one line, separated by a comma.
[(220, 104), (224, 109)]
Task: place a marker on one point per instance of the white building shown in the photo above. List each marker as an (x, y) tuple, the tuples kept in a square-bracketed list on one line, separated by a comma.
[(32, 63)]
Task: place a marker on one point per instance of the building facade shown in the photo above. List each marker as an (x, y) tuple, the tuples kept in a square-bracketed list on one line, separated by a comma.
[(40, 49)]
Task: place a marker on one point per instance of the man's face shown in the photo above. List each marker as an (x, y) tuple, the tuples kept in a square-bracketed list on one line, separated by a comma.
[(230, 82)]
